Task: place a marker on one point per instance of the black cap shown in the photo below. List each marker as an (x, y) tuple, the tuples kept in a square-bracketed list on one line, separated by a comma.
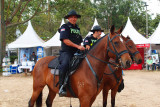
[(71, 13), (97, 28)]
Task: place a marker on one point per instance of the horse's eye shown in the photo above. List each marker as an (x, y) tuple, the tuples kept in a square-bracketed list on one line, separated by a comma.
[(115, 43), (130, 46)]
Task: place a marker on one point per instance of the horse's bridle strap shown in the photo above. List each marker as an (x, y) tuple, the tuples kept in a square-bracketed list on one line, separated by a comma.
[(132, 54), (118, 55), (115, 65), (122, 52), (117, 79), (114, 37), (94, 73), (113, 72)]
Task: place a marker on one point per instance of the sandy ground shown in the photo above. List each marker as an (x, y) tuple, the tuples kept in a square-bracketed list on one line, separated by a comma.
[(142, 89)]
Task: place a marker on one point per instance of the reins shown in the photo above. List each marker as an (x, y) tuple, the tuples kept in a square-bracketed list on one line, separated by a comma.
[(113, 72), (118, 55)]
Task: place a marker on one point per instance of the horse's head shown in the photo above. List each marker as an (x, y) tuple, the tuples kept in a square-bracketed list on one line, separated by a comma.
[(117, 49), (134, 53)]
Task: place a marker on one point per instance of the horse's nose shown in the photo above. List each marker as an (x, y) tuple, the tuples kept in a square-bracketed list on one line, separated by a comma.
[(139, 61), (128, 63)]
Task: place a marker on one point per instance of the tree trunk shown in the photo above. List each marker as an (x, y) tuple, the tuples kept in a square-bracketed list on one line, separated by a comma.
[(2, 31)]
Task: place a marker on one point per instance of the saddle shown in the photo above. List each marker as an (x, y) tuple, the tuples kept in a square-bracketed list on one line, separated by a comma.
[(73, 64)]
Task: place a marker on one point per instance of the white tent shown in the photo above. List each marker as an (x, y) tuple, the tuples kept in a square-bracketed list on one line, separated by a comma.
[(155, 37), (28, 39), (54, 41), (130, 31), (95, 23)]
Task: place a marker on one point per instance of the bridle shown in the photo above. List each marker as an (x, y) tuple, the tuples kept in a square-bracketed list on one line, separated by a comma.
[(113, 71), (118, 55), (131, 54)]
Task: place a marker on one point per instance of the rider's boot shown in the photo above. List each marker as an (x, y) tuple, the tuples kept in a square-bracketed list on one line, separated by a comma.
[(62, 89)]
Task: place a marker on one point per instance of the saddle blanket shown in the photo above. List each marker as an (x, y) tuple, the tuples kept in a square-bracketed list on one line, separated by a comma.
[(55, 72)]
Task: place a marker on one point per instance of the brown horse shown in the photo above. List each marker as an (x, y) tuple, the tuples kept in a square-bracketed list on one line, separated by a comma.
[(83, 81), (114, 77)]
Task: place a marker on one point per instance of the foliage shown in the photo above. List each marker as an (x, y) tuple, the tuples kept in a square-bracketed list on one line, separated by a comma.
[(49, 13), (12, 58), (83, 7)]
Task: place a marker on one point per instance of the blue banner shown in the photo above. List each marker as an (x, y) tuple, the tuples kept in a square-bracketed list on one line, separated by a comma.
[(40, 53)]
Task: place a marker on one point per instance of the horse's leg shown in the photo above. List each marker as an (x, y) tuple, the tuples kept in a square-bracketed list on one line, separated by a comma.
[(113, 95), (50, 98), (37, 93), (105, 95), (85, 101), (93, 99)]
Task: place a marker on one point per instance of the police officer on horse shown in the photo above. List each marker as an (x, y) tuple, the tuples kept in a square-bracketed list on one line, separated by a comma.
[(70, 42), (91, 39)]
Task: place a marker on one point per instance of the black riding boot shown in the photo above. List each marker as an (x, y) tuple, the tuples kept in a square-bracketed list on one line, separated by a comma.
[(62, 89)]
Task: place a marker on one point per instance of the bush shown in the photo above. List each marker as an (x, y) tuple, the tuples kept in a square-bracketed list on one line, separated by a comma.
[(12, 58)]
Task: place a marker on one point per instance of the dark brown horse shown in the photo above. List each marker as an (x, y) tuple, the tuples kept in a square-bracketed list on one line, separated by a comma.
[(83, 81), (114, 75)]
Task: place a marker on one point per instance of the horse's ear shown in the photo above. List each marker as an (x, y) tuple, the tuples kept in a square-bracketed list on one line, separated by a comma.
[(128, 37), (120, 30), (112, 29), (122, 36)]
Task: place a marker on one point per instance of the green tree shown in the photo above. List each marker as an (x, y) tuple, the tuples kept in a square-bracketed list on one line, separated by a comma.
[(17, 12), (83, 7)]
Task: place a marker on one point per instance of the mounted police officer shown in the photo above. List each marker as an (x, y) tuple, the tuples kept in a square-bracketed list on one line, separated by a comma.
[(91, 39), (70, 42)]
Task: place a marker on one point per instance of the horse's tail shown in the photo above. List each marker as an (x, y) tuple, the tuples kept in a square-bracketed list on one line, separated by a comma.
[(39, 100)]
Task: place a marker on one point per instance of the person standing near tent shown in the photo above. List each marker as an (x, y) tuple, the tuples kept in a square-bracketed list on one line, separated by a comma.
[(71, 39), (91, 39), (24, 58), (33, 57)]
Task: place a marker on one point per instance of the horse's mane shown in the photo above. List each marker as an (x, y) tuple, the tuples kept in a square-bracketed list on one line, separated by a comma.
[(98, 41)]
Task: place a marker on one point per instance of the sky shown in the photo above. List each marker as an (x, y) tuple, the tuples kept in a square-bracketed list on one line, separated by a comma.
[(153, 8)]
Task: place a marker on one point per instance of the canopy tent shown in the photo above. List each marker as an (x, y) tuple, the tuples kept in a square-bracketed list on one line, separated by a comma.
[(155, 37), (95, 23), (130, 31), (28, 39), (54, 41)]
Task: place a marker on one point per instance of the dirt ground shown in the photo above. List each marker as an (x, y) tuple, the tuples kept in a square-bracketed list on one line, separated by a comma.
[(142, 89)]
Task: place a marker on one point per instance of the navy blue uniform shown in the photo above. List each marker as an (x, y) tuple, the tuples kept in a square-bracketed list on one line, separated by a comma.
[(68, 31), (89, 40)]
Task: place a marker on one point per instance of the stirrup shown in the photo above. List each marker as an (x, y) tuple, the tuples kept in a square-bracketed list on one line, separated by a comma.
[(62, 92)]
